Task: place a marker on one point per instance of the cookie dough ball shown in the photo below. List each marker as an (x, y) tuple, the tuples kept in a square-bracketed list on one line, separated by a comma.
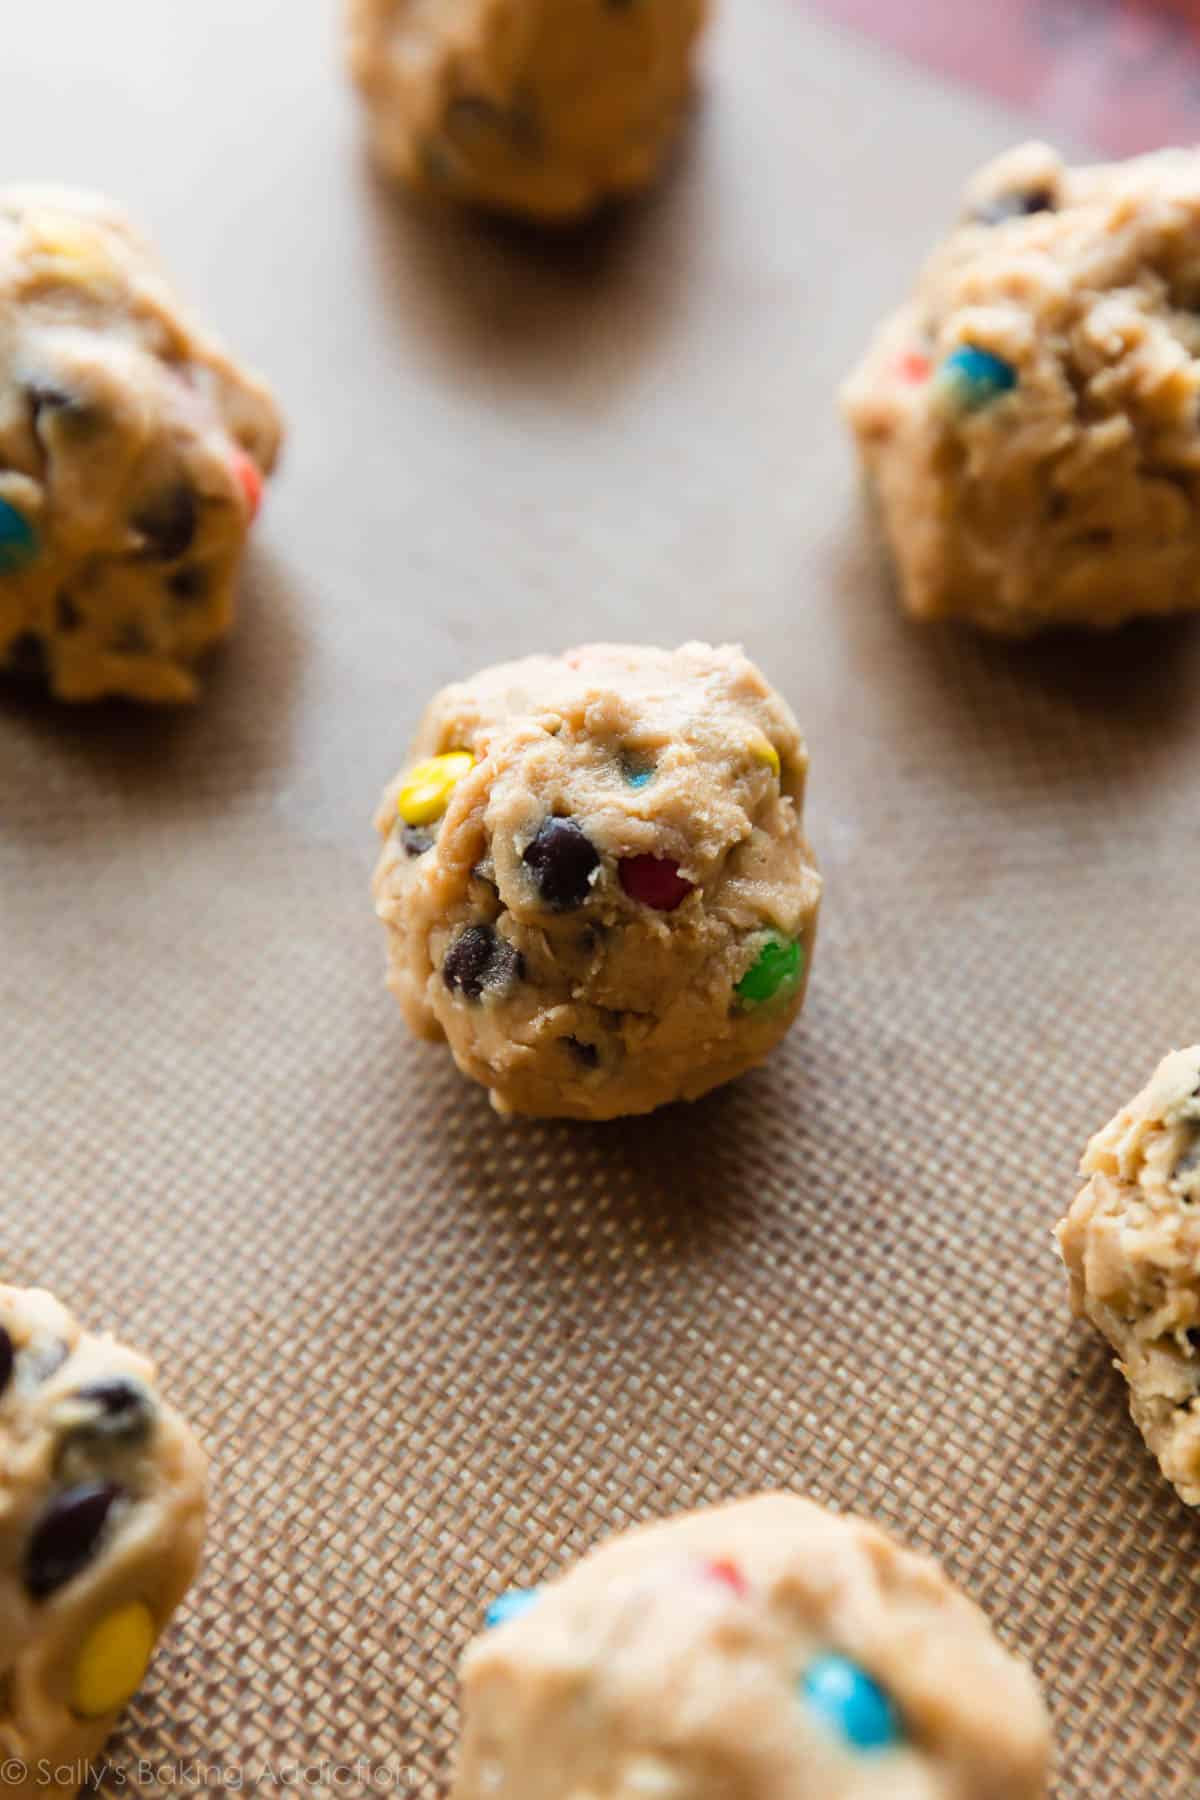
[(539, 107), (595, 877), (1032, 416), (132, 456), (1131, 1243), (768, 1650), (101, 1521)]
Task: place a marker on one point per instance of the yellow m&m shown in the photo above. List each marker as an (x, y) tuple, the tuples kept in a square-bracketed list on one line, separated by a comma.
[(426, 792), (765, 752), (114, 1658)]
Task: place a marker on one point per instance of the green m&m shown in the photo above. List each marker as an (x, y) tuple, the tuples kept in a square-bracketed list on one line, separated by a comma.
[(775, 970)]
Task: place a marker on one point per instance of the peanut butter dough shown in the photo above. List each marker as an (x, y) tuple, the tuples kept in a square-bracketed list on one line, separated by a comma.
[(540, 107), (132, 453), (1031, 417), (102, 1495), (768, 1650), (595, 877), (1131, 1243)]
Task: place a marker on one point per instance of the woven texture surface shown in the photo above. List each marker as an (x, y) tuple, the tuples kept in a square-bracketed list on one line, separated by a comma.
[(432, 1355)]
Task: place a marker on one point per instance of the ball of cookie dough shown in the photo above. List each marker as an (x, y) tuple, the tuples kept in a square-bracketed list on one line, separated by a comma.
[(1131, 1243), (102, 1494), (595, 877), (769, 1650), (539, 107), (1031, 417), (132, 457)]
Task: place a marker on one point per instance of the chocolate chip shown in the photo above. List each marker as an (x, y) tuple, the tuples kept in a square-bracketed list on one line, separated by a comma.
[(66, 1536), (122, 1408), (26, 657), (1017, 205), (416, 842), (8, 1358), (585, 1054), (193, 583), (168, 524), (477, 959), (67, 614), (561, 859), (1192, 1334)]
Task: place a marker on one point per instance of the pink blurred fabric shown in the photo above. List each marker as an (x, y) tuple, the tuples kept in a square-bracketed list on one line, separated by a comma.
[(1122, 74)]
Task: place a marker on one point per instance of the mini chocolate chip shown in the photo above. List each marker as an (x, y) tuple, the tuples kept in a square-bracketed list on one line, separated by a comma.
[(66, 1535), (168, 524), (26, 657), (1017, 205), (1192, 1334), (561, 859), (8, 1357), (416, 842), (477, 959), (193, 583), (587, 1054), (123, 1408), (67, 614)]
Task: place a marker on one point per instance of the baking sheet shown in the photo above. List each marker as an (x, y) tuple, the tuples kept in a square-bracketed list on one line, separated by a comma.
[(433, 1355)]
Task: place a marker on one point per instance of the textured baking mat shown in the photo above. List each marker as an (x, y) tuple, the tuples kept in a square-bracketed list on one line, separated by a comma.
[(433, 1355)]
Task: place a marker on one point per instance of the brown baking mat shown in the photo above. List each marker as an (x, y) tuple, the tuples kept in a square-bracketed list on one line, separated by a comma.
[(432, 1355)]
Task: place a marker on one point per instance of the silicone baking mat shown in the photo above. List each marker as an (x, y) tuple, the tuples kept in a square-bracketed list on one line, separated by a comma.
[(434, 1355)]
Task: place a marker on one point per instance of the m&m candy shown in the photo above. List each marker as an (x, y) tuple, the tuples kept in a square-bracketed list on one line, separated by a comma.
[(113, 1660), (851, 1703), (425, 793), (511, 1606), (776, 968), (970, 378), (655, 881), (18, 539)]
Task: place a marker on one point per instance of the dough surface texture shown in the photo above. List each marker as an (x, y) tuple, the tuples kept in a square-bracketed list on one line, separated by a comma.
[(767, 1650), (1031, 417), (595, 877), (102, 1498), (132, 457), (538, 107), (1131, 1243)]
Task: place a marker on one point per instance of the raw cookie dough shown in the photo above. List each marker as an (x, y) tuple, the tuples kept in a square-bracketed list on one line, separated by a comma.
[(766, 1651), (1032, 416), (101, 1521), (595, 877), (132, 456), (1131, 1243), (540, 107)]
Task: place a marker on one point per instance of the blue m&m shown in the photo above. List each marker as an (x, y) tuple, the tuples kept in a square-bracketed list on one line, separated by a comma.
[(970, 378), (511, 1606), (853, 1705), (18, 539)]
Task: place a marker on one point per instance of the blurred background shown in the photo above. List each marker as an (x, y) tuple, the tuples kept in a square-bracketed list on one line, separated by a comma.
[(1122, 74)]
